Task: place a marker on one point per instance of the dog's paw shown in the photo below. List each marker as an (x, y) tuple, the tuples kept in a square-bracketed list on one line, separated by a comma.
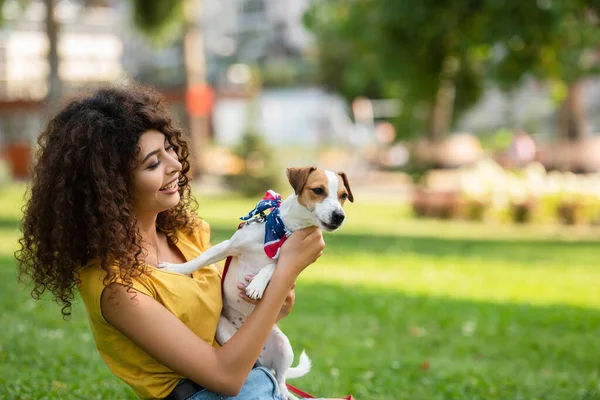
[(166, 266), (255, 290)]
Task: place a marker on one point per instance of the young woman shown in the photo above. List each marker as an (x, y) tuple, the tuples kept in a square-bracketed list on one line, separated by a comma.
[(109, 200)]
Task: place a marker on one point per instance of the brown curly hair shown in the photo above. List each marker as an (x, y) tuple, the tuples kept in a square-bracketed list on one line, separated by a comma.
[(79, 207)]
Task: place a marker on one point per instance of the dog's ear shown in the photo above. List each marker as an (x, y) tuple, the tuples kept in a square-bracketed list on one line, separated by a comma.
[(345, 180), (297, 176)]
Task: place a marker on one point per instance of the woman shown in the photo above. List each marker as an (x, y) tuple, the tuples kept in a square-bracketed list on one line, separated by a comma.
[(109, 200)]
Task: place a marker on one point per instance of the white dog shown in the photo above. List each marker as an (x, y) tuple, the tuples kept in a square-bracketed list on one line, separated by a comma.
[(317, 201)]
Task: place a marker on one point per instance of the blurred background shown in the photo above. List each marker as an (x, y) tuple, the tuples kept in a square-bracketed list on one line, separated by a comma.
[(408, 97), (468, 129)]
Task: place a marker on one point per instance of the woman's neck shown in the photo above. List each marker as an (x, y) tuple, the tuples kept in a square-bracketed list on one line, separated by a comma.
[(147, 229)]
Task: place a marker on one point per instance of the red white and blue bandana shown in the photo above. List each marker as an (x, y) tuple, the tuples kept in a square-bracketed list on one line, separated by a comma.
[(275, 231)]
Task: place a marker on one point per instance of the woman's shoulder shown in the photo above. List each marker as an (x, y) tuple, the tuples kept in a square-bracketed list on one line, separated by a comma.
[(93, 280)]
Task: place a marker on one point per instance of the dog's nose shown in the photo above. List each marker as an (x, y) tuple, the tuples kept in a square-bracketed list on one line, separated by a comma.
[(337, 218)]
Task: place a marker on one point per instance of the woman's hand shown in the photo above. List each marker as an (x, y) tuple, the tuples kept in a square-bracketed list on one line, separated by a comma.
[(288, 304), (301, 249)]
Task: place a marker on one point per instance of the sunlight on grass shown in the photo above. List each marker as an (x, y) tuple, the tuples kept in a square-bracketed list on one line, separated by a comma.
[(546, 275), (380, 247), (463, 279), (11, 200), (397, 308), (8, 241)]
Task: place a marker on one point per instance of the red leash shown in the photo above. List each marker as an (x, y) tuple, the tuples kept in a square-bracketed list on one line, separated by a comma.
[(305, 395), (225, 269), (299, 392), (227, 262)]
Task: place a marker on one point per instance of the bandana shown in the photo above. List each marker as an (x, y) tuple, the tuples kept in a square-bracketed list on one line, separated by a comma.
[(275, 231)]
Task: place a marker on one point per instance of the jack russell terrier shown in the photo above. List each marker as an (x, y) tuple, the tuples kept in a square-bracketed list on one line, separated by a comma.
[(317, 201)]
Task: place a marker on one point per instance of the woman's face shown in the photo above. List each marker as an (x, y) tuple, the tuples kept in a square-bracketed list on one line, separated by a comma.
[(154, 186)]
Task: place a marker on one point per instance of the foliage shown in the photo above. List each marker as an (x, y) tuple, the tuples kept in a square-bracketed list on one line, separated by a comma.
[(406, 49), (346, 63), (552, 40), (259, 172), (402, 49), (160, 21), (394, 309), (557, 42)]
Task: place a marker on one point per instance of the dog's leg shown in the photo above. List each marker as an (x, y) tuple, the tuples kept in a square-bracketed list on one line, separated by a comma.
[(278, 356), (257, 286), (210, 256)]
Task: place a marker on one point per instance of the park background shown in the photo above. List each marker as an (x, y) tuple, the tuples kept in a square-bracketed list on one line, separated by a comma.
[(467, 268)]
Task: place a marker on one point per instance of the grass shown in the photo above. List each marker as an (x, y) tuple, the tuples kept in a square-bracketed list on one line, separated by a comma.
[(396, 308)]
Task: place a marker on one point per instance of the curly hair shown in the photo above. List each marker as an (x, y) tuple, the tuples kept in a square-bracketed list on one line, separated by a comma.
[(79, 208)]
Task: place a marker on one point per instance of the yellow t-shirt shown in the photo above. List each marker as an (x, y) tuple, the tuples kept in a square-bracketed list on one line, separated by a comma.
[(196, 301)]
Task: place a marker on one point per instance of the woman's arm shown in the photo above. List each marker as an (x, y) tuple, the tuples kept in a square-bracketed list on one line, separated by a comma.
[(156, 330)]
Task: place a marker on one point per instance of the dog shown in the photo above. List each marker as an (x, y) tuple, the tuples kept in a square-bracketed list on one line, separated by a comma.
[(317, 201)]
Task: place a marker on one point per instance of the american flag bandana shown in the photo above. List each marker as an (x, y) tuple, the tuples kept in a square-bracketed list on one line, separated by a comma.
[(275, 231)]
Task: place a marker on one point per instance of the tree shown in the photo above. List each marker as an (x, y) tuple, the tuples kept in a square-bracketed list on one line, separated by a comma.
[(556, 41), (54, 84), (346, 63), (435, 55), (428, 53)]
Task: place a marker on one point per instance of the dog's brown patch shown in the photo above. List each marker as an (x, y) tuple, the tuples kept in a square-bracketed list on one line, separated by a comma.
[(315, 189), (297, 176), (344, 187)]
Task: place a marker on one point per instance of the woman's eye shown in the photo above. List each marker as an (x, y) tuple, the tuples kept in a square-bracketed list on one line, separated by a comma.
[(318, 191), (169, 148), (153, 166)]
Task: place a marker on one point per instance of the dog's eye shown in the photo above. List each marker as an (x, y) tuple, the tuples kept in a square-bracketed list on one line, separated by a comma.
[(344, 196), (318, 191)]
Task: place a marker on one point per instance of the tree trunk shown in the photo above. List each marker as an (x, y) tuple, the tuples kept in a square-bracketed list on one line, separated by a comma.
[(443, 104), (194, 60), (54, 95), (441, 112), (572, 119)]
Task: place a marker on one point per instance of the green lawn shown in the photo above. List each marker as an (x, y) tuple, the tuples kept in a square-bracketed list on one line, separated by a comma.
[(396, 308)]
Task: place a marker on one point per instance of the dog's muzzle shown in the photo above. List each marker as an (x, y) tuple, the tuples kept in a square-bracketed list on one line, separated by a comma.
[(337, 218), (335, 221)]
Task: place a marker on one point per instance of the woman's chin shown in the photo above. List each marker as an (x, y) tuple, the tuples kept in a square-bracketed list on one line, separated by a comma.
[(170, 202)]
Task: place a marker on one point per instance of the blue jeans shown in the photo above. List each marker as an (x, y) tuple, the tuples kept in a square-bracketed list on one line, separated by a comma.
[(260, 385)]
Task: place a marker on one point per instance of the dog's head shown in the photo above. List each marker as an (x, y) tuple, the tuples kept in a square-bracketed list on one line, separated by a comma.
[(323, 193)]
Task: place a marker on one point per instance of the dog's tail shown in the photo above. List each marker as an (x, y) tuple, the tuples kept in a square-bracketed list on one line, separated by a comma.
[(302, 369)]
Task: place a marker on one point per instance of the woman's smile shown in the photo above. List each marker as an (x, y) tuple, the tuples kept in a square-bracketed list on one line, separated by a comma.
[(171, 187)]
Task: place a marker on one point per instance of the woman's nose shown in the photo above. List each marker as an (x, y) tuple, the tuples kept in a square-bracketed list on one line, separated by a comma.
[(174, 165)]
